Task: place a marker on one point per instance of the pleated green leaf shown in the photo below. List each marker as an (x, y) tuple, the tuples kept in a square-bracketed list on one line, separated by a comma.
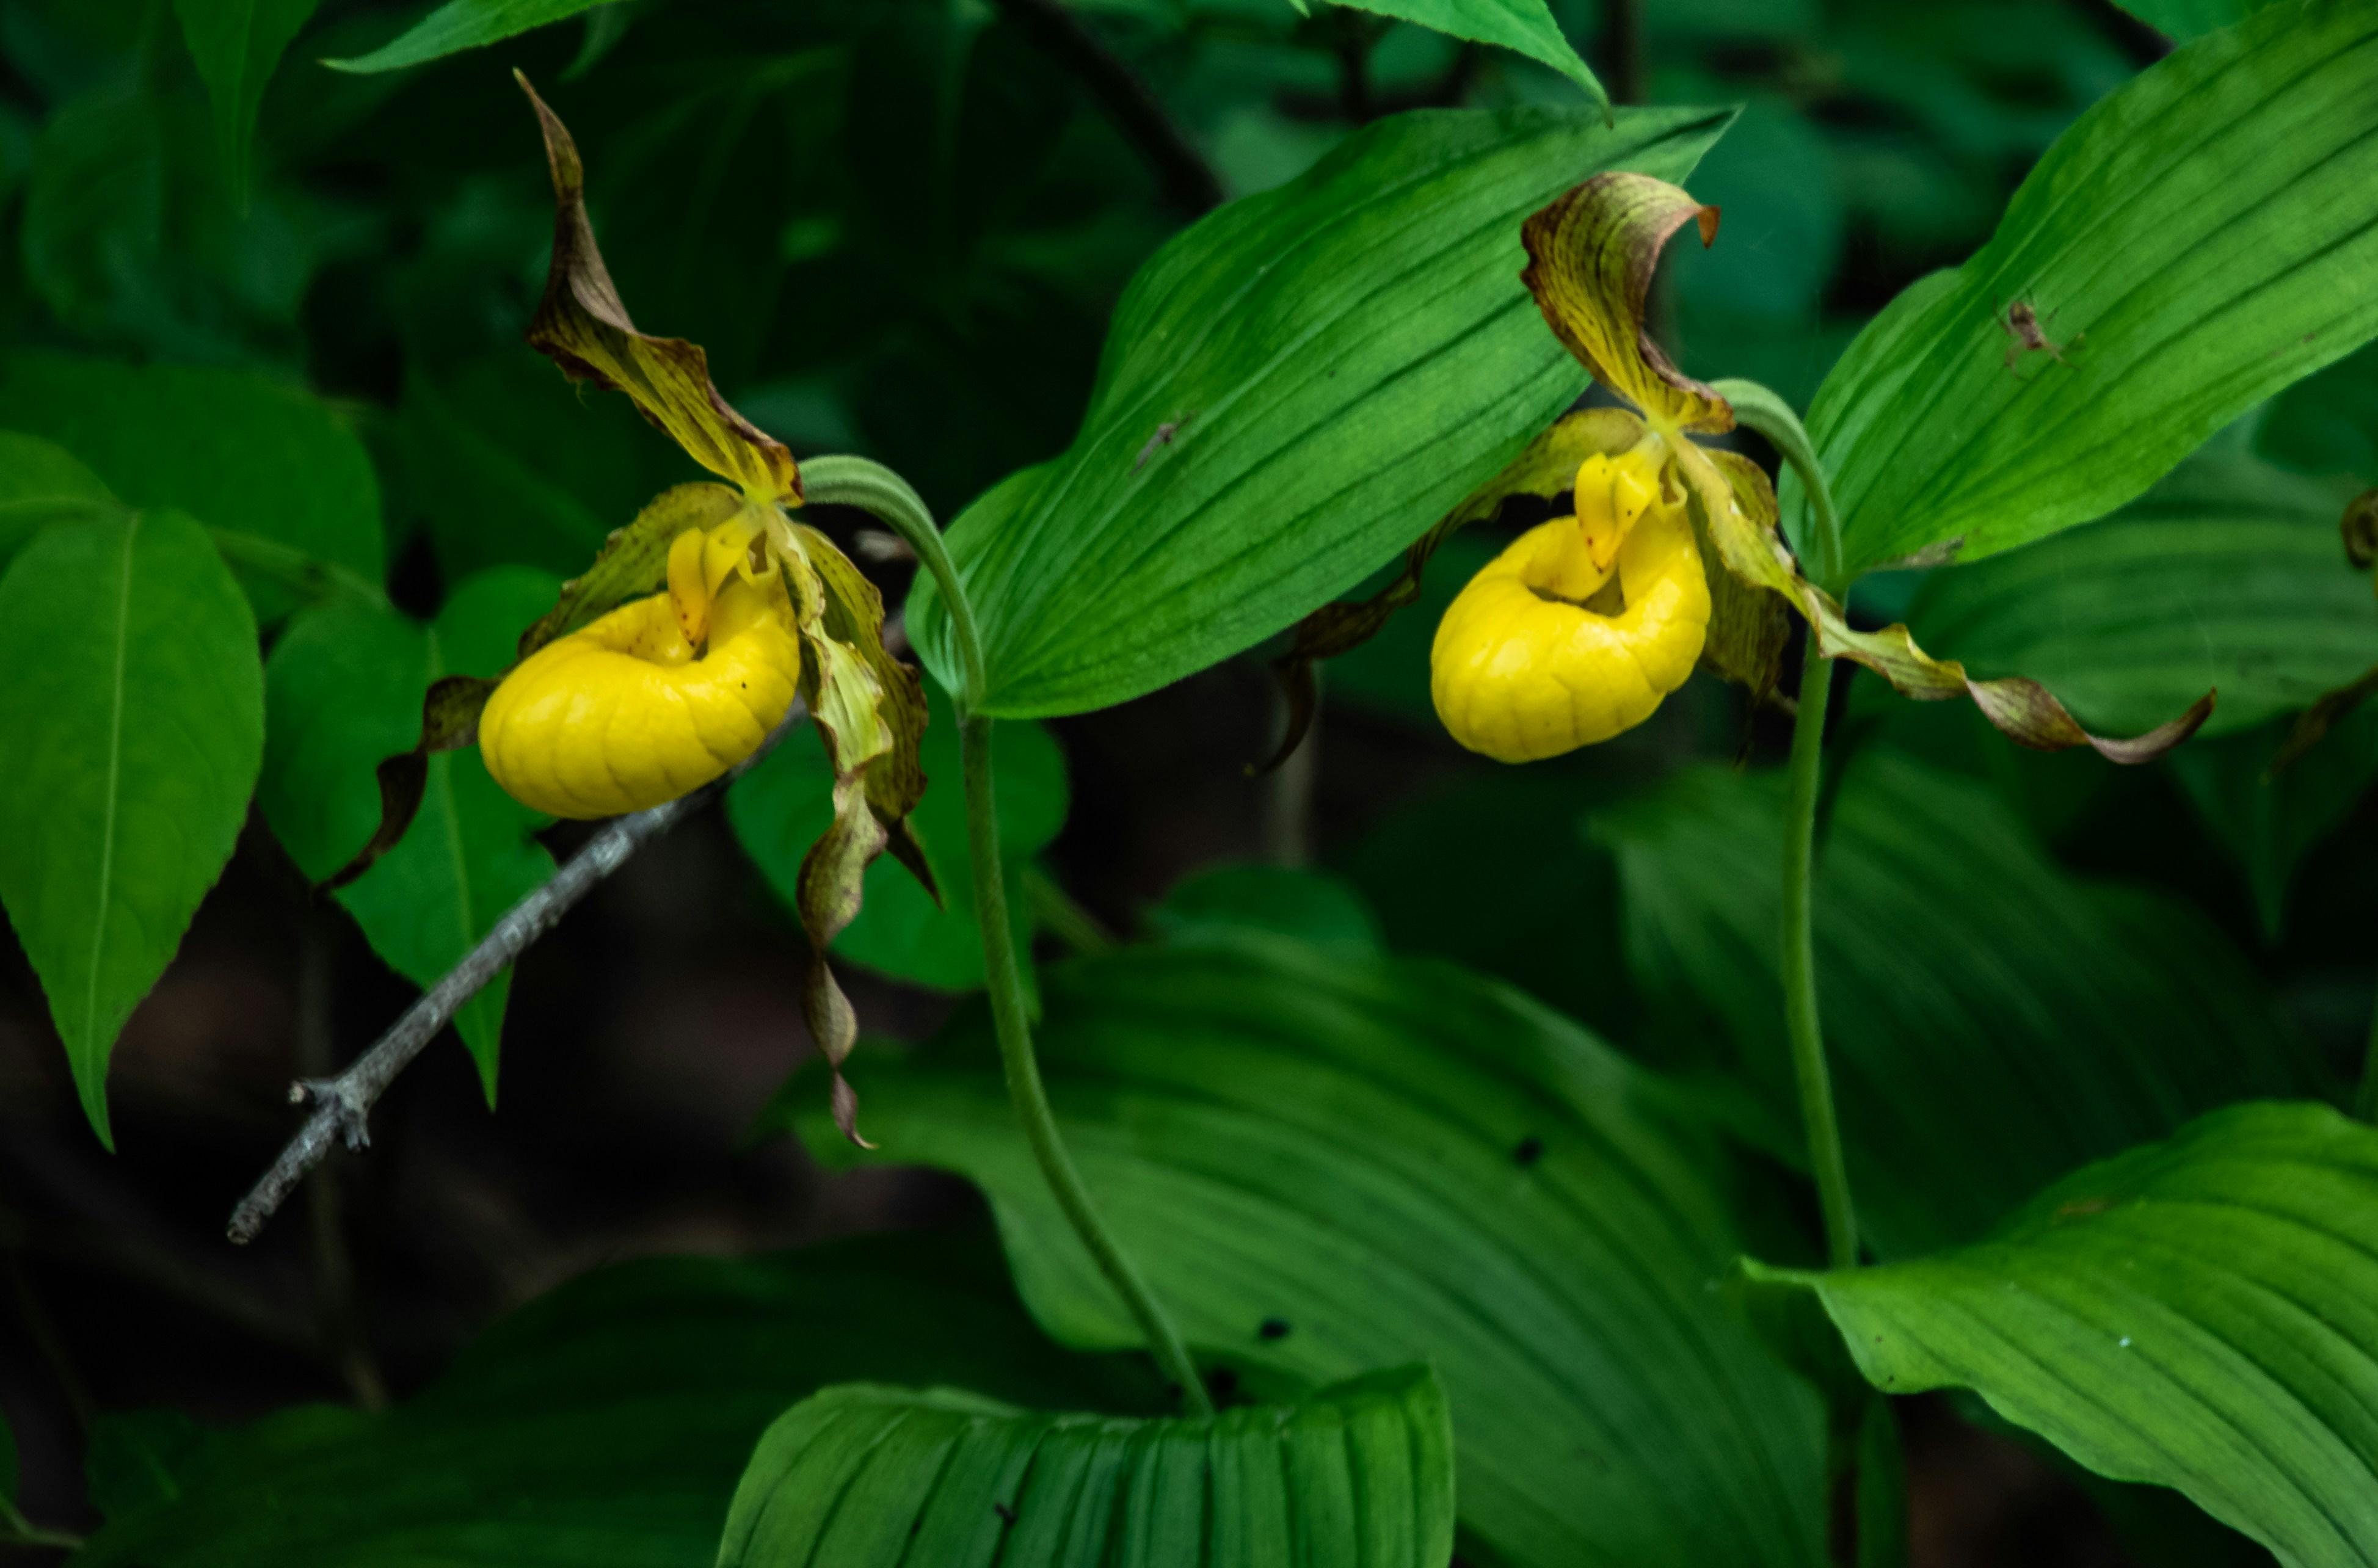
[(1359, 1476), (1292, 390), (603, 1426), (2195, 242), (1328, 1164), (134, 717), (464, 24), (1525, 27), (1993, 1021), (2226, 576), (2201, 1313)]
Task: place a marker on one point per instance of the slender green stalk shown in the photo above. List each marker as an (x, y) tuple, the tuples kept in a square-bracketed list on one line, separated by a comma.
[(855, 482), (1808, 1069), (17, 1530), (2365, 1098)]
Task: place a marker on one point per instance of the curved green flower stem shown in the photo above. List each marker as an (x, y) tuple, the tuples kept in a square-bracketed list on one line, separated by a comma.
[(1808, 1069), (1760, 409), (855, 482)]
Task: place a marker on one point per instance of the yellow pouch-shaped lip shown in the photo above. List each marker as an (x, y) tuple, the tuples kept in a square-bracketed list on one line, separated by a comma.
[(1520, 676), (622, 715)]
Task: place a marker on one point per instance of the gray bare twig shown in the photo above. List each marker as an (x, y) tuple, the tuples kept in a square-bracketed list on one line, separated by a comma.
[(342, 1105)]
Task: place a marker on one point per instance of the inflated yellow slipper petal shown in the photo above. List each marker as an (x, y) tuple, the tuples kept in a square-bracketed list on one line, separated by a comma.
[(625, 713), (1543, 652)]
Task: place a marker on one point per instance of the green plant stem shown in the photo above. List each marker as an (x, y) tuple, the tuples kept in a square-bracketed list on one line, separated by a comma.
[(855, 482), (1808, 1069), (1063, 915), (17, 1530), (1024, 1085)]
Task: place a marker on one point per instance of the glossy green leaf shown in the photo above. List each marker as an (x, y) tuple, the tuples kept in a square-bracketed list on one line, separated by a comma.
[(464, 24), (2195, 1314), (1993, 1021), (1359, 1476), (606, 1423), (1524, 27), (344, 691), (2197, 240), (240, 451), (1292, 390), (41, 484), (236, 43), (2226, 577), (781, 807), (1329, 1165), (134, 709)]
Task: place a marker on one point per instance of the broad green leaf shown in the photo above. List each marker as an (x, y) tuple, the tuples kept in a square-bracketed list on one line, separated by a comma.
[(1314, 906), (464, 24), (344, 691), (2195, 1314), (606, 1423), (781, 807), (2226, 577), (1524, 27), (2197, 240), (1329, 1165), (1359, 1476), (1993, 1022), (42, 483), (2323, 424), (1292, 390), (239, 450), (134, 709), (2184, 19), (236, 44)]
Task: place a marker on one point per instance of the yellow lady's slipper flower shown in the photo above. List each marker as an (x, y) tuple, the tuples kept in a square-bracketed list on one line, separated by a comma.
[(1578, 630), (655, 698)]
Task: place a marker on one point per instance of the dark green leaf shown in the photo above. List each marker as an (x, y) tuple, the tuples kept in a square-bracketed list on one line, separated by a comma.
[(1313, 906), (2269, 820), (607, 1423), (344, 691), (464, 24), (2322, 424), (2226, 576), (134, 709), (1326, 1166), (42, 483), (238, 450), (858, 1476), (1993, 1022), (2195, 1314), (780, 809), (1292, 390), (2184, 19), (2197, 240), (236, 44), (1525, 27)]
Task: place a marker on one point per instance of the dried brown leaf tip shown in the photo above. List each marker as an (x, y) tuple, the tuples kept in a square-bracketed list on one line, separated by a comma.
[(583, 326)]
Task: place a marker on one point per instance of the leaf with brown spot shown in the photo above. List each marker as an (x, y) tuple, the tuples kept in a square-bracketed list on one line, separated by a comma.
[(581, 324), (1738, 511), (2360, 527), (1591, 258)]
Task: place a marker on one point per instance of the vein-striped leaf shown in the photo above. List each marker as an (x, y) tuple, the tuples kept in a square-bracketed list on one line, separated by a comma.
[(2195, 242), (1359, 1476), (1292, 390), (2197, 1314), (1993, 1022), (1330, 1163)]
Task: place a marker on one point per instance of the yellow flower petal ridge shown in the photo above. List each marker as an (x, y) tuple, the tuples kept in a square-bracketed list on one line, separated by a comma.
[(627, 713), (1579, 630)]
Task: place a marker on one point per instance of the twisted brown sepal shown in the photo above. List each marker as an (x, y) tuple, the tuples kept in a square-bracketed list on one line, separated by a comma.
[(582, 327), (449, 718), (1592, 255), (870, 711), (1737, 511)]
